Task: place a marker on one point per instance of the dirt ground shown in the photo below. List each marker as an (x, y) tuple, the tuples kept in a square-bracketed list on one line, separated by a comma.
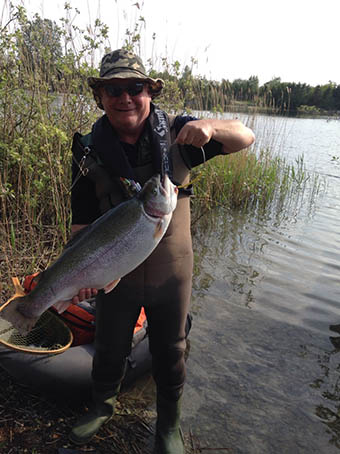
[(35, 424)]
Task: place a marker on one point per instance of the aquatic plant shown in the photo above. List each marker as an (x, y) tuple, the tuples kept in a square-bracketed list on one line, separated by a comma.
[(44, 99), (254, 182)]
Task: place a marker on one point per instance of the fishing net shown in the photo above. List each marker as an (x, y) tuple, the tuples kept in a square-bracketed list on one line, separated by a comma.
[(49, 335)]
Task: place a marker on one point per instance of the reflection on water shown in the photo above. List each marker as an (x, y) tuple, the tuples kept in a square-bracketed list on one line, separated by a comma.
[(265, 346)]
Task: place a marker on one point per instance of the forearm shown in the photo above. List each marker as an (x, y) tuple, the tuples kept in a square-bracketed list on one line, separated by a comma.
[(232, 134)]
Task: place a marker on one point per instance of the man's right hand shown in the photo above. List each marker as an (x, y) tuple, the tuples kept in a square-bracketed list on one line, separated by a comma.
[(84, 294)]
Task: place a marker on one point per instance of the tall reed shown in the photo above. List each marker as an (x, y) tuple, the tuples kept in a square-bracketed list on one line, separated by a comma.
[(42, 104), (44, 99), (254, 183)]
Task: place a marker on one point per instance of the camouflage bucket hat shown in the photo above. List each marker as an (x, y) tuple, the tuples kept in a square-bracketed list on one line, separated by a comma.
[(123, 64)]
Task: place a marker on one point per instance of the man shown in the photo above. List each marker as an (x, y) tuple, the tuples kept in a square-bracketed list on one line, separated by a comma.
[(135, 139)]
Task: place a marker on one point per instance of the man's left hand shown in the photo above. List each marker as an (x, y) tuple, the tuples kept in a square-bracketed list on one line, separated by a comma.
[(196, 133)]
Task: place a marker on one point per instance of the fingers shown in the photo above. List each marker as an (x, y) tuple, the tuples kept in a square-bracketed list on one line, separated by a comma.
[(84, 294), (196, 133)]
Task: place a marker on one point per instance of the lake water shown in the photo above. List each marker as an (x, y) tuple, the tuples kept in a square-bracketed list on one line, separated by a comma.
[(264, 365)]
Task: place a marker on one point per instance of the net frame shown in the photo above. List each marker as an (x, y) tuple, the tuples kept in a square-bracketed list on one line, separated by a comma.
[(53, 334)]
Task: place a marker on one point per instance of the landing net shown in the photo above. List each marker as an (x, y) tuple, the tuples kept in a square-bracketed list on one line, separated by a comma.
[(49, 335)]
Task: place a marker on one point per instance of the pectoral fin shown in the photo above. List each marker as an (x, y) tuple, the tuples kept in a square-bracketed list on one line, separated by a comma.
[(158, 230), (111, 286), (19, 291), (61, 306)]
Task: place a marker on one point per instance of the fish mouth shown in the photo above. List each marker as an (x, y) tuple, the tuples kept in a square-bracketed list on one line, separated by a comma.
[(165, 186), (166, 191), (153, 214)]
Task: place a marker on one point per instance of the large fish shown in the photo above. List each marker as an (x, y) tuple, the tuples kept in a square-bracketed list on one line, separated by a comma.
[(109, 248)]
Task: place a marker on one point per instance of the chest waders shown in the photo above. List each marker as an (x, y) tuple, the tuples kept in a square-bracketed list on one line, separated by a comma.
[(162, 284)]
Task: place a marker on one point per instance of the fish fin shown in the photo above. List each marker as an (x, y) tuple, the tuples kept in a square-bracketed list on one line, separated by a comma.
[(19, 291), (158, 230), (61, 306), (111, 285), (10, 313)]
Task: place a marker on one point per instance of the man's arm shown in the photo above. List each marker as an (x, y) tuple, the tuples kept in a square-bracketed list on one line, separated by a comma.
[(232, 134)]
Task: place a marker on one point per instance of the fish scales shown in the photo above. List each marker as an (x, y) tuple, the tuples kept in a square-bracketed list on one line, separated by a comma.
[(85, 263), (110, 248)]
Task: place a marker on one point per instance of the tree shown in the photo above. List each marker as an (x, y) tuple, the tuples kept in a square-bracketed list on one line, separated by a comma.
[(40, 45), (336, 97), (253, 87)]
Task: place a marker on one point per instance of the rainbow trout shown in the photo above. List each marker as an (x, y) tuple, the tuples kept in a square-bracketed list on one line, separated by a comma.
[(108, 249)]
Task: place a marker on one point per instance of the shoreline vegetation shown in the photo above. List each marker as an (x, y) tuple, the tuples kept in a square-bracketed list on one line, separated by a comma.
[(44, 100)]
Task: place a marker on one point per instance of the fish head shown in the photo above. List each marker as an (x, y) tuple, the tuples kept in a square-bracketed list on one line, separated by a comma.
[(159, 196)]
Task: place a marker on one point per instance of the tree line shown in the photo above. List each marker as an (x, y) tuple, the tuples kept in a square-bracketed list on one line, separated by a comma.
[(48, 50), (275, 96)]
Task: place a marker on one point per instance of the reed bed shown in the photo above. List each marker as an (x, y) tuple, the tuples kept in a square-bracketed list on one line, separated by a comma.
[(254, 182), (43, 101)]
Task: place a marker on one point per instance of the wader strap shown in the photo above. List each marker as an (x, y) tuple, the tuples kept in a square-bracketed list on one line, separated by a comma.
[(160, 126), (110, 191)]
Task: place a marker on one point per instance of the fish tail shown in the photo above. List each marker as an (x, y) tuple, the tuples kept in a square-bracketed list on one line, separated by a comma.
[(13, 313)]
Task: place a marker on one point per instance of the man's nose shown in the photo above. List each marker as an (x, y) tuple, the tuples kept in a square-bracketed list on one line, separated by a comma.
[(125, 97)]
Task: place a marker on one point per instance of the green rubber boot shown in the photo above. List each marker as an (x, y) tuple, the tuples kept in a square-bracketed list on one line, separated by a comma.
[(169, 437), (101, 413)]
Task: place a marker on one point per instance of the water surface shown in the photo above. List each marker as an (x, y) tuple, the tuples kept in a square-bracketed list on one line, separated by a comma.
[(263, 372)]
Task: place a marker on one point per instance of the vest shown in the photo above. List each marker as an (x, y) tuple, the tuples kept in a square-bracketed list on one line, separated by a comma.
[(110, 191), (172, 260)]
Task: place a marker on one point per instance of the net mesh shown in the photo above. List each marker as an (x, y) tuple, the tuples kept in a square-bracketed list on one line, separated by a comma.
[(49, 334)]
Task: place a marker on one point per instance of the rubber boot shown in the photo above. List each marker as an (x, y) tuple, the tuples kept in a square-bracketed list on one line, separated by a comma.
[(169, 437), (103, 409)]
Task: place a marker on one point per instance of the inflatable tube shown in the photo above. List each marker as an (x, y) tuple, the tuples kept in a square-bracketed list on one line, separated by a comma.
[(69, 373)]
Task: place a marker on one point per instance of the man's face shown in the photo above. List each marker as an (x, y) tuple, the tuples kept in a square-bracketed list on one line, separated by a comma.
[(128, 111)]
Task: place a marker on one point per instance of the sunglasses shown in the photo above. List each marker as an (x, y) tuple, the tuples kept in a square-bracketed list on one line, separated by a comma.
[(116, 90)]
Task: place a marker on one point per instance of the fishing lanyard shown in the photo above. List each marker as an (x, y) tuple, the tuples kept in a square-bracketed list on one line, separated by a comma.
[(198, 176), (83, 171)]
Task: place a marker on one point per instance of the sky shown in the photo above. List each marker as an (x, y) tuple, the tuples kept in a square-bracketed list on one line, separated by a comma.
[(296, 40)]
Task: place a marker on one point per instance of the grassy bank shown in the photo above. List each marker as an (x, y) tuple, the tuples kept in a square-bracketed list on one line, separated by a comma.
[(44, 100)]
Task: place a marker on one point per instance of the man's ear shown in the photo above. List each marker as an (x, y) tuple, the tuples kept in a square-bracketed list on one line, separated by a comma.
[(97, 97), (151, 91)]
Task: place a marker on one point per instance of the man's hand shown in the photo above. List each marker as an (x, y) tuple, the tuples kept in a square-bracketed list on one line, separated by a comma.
[(196, 133), (84, 294), (232, 134)]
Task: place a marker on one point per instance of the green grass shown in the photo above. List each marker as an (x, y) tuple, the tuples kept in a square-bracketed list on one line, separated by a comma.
[(44, 101), (253, 182), (39, 113)]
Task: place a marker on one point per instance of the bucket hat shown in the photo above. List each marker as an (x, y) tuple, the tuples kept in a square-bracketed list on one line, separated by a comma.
[(123, 64)]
